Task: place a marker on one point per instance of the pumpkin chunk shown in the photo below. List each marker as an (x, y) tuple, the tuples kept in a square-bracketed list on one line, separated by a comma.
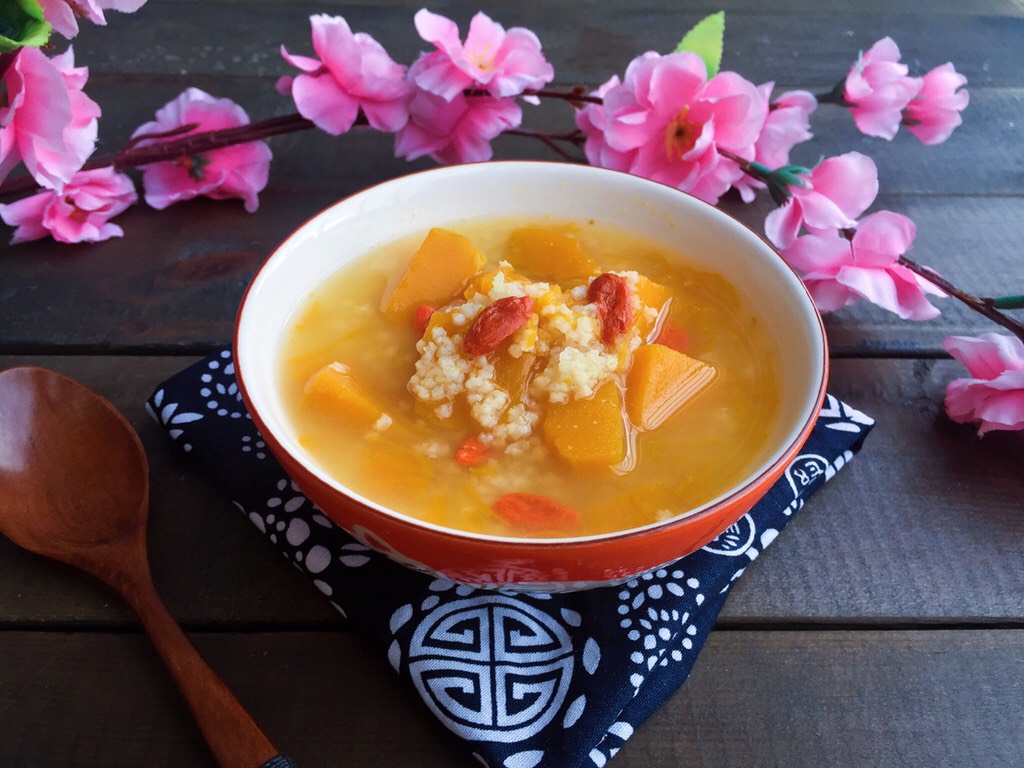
[(513, 374), (660, 382), (547, 255), (588, 431), (651, 294), (438, 271), (336, 391)]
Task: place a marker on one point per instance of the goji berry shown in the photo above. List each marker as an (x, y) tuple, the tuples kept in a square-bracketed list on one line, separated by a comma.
[(472, 451), (614, 305), (421, 319), (533, 512), (497, 322)]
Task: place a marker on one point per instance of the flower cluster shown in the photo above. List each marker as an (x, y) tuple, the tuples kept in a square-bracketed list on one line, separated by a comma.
[(49, 124), (881, 96), (450, 104), (674, 118)]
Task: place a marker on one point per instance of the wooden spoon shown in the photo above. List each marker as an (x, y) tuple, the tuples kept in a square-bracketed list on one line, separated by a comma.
[(74, 486)]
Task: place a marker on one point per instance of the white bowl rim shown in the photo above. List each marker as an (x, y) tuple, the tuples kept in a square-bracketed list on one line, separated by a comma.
[(807, 415)]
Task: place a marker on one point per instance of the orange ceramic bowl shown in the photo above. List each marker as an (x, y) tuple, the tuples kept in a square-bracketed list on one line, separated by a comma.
[(442, 197)]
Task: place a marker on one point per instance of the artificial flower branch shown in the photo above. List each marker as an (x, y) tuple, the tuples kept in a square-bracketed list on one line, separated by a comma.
[(134, 156), (987, 307)]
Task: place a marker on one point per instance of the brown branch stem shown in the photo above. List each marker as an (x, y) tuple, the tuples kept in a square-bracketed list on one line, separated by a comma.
[(132, 156), (549, 139), (981, 305)]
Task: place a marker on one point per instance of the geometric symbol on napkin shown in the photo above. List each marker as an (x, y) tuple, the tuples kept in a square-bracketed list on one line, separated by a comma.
[(492, 668), (734, 540)]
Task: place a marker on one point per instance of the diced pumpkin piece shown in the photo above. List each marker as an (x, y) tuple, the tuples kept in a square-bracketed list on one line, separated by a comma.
[(438, 271), (651, 294), (513, 374), (660, 382), (544, 254), (588, 431), (335, 391)]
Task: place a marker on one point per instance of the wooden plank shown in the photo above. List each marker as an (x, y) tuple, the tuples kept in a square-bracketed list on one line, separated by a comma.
[(923, 527), (175, 281), (788, 698), (585, 42)]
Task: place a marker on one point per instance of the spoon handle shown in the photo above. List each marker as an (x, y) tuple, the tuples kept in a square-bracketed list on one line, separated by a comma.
[(232, 735)]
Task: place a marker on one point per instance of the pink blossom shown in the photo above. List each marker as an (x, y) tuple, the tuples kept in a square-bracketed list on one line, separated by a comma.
[(934, 112), (666, 121), (877, 89), (237, 171), (788, 124), (353, 72), (501, 63), (456, 131), (63, 15), (834, 194), (46, 122), (994, 395), (593, 121), (81, 213), (838, 271)]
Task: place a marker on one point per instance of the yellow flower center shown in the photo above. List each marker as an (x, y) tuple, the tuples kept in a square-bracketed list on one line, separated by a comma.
[(681, 136), (77, 214), (483, 58)]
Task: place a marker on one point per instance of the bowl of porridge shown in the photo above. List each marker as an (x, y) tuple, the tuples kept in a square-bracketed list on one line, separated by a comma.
[(530, 375)]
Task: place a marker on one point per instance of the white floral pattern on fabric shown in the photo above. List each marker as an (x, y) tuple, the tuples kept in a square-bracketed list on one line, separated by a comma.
[(526, 679)]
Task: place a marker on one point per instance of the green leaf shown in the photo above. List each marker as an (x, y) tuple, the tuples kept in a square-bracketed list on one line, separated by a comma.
[(22, 24), (705, 40)]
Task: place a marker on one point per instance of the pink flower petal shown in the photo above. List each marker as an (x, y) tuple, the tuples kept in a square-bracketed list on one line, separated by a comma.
[(238, 171), (882, 238), (305, 63), (353, 72), (850, 181), (988, 355), (326, 103), (829, 296), (782, 225), (816, 253)]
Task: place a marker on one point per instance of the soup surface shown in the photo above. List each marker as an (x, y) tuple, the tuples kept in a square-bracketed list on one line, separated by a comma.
[(537, 378)]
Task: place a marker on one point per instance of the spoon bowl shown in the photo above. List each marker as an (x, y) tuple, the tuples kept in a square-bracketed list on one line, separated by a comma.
[(97, 477), (74, 484)]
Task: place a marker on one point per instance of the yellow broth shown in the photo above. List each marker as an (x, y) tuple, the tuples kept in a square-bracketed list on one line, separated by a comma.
[(696, 455)]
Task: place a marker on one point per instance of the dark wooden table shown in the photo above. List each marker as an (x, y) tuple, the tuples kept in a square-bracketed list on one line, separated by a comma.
[(885, 627)]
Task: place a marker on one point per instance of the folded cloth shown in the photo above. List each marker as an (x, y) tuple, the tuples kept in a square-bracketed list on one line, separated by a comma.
[(525, 679)]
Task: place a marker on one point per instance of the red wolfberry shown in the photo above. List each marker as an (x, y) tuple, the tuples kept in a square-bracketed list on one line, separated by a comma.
[(472, 451), (614, 305), (421, 319), (497, 322), (533, 512)]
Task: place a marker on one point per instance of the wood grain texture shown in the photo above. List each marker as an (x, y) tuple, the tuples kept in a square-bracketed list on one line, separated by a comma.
[(922, 528), (175, 285), (914, 699), (586, 43)]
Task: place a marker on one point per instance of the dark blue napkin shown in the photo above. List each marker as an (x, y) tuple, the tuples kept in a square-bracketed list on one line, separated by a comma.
[(526, 680)]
